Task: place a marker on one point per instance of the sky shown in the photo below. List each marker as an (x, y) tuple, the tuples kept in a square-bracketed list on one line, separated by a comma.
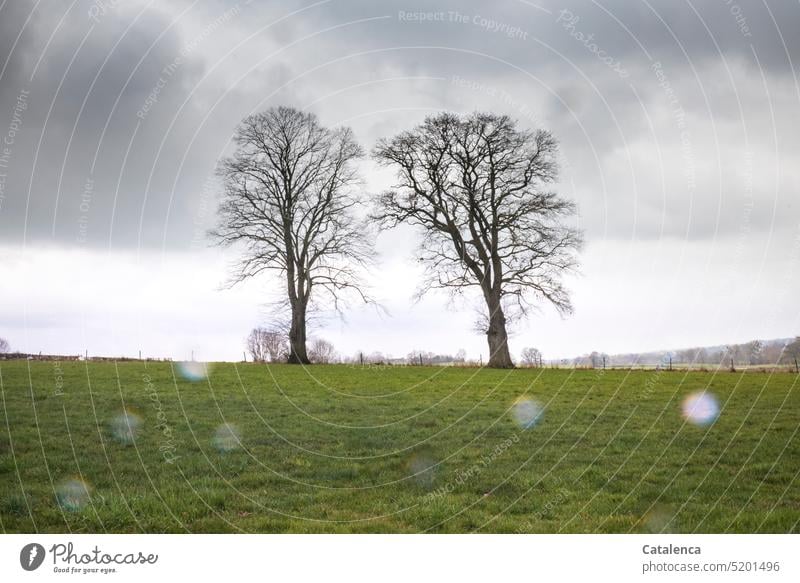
[(679, 142)]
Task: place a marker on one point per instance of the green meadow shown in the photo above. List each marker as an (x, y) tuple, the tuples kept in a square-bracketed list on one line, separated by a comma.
[(140, 447)]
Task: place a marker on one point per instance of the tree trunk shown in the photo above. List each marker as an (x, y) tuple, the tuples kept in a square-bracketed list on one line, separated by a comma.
[(297, 334), (499, 356)]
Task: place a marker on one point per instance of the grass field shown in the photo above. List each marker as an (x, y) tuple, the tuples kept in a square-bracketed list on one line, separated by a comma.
[(339, 449)]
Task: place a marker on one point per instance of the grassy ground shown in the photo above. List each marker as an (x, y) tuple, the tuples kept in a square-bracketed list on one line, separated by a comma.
[(340, 449)]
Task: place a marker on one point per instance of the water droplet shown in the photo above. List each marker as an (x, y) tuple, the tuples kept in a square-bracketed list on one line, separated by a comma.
[(527, 413), (700, 408), (194, 371), (125, 427), (72, 494), (659, 520), (227, 437), (422, 469)]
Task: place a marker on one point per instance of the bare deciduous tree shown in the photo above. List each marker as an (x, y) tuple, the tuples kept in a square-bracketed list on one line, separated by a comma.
[(264, 344), (791, 353), (4, 346), (531, 357), (420, 357), (477, 187), (321, 351), (289, 200), (753, 352)]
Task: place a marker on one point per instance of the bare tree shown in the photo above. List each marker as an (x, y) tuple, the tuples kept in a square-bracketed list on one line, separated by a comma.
[(753, 351), (264, 344), (289, 200), (731, 353), (531, 357), (420, 357), (477, 187), (791, 353), (4, 346), (321, 351)]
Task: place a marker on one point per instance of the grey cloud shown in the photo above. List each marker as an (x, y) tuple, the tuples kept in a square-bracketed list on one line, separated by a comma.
[(359, 73), (80, 152)]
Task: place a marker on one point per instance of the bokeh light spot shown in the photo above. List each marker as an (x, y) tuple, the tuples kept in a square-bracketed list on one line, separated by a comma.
[(125, 427), (73, 495), (659, 520), (227, 438), (422, 469), (527, 413), (700, 408), (194, 371)]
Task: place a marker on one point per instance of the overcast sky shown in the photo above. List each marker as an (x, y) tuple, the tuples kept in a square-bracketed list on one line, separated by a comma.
[(678, 123)]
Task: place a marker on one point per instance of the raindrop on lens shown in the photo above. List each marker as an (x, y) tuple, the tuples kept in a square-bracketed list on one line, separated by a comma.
[(227, 437), (700, 408), (194, 371), (422, 468), (125, 427), (659, 520), (527, 413), (72, 495)]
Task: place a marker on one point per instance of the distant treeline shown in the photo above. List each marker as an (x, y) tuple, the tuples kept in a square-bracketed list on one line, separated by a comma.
[(26, 356), (72, 357), (780, 351)]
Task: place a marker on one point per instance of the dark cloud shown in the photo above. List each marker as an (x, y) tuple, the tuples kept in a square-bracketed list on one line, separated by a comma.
[(126, 116), (85, 166)]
